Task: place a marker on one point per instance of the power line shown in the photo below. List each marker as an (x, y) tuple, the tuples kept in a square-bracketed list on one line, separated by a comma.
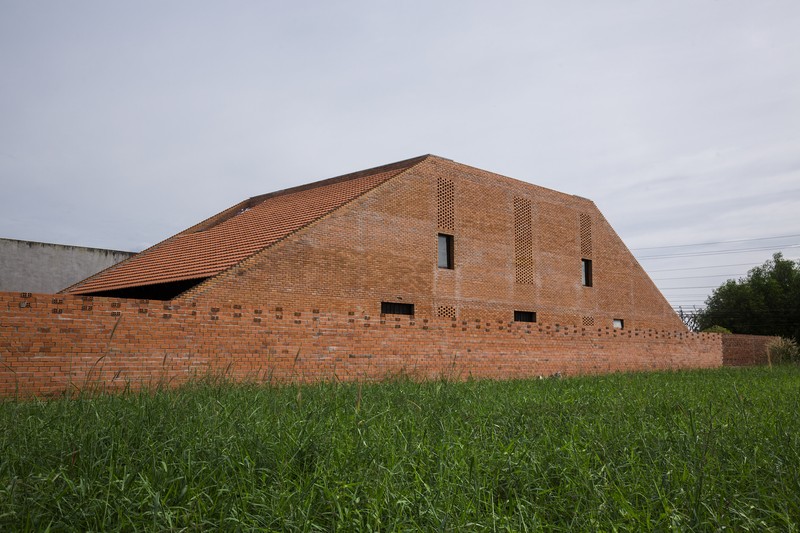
[(694, 302), (745, 315), (700, 254), (717, 242), (700, 268), (697, 277), (689, 296), (684, 288)]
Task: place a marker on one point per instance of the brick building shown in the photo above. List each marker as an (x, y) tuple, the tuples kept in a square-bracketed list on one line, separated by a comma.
[(425, 267), (427, 237)]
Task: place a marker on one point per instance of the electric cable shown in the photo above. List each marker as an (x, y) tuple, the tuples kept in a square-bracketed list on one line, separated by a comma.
[(717, 242), (723, 252)]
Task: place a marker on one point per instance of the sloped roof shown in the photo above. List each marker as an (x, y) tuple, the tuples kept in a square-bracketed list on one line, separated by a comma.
[(228, 238)]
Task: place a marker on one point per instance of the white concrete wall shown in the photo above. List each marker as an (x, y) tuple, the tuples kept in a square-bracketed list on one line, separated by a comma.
[(27, 266)]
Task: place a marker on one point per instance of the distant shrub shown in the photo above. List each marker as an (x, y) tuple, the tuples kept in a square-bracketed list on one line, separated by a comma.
[(783, 351), (717, 329)]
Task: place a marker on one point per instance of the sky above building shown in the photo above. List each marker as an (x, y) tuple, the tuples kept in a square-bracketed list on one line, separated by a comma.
[(126, 122)]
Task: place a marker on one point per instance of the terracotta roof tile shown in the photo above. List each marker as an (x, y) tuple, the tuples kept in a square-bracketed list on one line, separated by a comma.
[(235, 234)]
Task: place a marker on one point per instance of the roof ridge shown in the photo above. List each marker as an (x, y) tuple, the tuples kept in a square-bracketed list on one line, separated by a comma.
[(219, 218), (407, 163)]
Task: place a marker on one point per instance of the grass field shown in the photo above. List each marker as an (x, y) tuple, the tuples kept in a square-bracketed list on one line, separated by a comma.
[(699, 450)]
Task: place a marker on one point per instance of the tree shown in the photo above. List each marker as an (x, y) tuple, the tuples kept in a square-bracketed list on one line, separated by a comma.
[(766, 302)]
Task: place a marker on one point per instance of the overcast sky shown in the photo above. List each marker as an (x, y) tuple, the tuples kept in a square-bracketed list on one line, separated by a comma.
[(122, 123)]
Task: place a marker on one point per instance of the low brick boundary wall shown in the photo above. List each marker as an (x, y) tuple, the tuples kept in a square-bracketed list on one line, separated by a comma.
[(50, 344), (745, 350)]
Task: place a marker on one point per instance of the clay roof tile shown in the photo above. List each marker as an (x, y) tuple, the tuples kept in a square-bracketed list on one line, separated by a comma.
[(226, 239)]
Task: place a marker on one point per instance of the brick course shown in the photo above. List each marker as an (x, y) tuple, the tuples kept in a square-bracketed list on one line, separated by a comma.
[(51, 344), (382, 247), (745, 350), (308, 305)]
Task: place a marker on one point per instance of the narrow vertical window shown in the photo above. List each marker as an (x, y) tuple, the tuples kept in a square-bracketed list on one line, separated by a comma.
[(586, 275), (445, 251)]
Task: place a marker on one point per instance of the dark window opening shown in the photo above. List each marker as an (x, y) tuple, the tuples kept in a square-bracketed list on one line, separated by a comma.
[(158, 291), (394, 308), (445, 251), (586, 276), (524, 316)]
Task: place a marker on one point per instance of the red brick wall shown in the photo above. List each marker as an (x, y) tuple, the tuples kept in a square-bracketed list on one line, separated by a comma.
[(745, 350), (383, 247), (308, 307), (50, 344)]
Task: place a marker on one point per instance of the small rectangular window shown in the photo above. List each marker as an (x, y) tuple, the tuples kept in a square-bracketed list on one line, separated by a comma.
[(445, 251), (524, 316), (586, 275), (619, 323), (395, 308)]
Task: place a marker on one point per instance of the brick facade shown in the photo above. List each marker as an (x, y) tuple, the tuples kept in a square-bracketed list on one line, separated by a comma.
[(307, 306), (383, 247), (51, 344)]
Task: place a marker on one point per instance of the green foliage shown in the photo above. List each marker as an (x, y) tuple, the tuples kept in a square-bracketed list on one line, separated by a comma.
[(766, 302), (717, 329), (783, 351), (684, 451)]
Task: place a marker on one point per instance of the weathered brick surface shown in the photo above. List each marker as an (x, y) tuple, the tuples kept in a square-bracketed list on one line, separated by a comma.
[(308, 306), (383, 247), (51, 344), (745, 350)]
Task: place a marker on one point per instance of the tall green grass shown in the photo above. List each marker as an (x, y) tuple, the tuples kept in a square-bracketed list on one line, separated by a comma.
[(701, 450)]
